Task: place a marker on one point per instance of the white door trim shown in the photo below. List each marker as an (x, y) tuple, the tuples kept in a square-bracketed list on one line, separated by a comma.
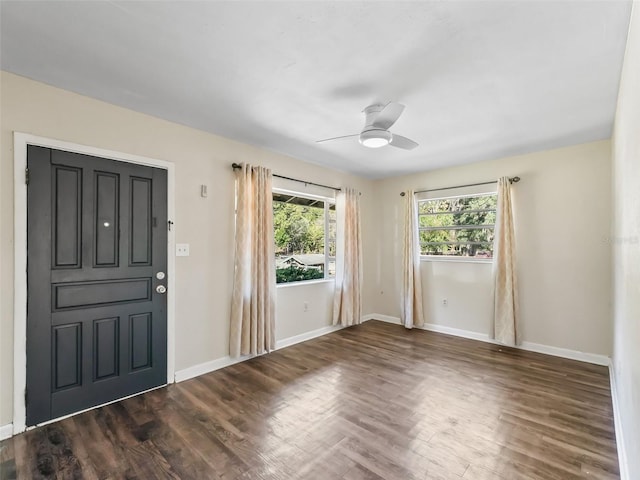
[(20, 142)]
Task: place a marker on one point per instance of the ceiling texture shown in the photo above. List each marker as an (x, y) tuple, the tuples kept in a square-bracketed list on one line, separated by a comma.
[(480, 79)]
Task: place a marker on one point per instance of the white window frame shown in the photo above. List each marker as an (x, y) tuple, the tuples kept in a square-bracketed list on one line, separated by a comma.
[(451, 258), (327, 201)]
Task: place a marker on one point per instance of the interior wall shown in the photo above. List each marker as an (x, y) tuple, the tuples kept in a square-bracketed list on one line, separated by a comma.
[(625, 244), (562, 208), (563, 216), (204, 279)]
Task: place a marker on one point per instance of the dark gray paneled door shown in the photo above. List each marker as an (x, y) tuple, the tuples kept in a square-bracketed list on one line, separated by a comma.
[(97, 242)]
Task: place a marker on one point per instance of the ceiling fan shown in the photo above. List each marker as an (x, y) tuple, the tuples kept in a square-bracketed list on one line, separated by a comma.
[(375, 134)]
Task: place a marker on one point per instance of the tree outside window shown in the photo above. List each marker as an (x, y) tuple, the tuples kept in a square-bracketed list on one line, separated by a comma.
[(458, 226), (304, 233)]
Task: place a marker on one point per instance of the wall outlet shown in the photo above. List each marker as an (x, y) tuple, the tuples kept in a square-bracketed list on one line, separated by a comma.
[(445, 302), (182, 249)]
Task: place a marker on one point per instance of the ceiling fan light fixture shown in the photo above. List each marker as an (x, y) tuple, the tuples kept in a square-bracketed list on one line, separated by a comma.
[(375, 138), (376, 134)]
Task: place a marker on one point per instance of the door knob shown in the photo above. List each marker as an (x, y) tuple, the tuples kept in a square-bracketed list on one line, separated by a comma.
[(161, 289)]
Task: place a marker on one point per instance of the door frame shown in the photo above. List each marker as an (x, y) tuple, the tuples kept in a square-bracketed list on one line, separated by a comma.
[(20, 142)]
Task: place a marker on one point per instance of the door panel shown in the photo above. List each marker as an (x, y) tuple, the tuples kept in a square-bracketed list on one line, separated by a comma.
[(67, 236), (67, 355), (104, 292), (106, 225), (105, 348), (96, 327), (140, 326), (140, 222)]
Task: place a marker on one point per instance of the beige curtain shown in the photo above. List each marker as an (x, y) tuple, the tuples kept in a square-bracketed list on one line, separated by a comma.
[(254, 288), (506, 329), (412, 314), (347, 300)]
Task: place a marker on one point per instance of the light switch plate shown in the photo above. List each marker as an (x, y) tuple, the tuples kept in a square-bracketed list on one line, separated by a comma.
[(182, 249)]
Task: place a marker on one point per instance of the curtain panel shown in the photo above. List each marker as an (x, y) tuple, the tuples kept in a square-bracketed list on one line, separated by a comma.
[(412, 313), (252, 329), (505, 281), (347, 300)]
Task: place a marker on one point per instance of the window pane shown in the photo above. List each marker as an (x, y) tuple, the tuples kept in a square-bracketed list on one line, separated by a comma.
[(461, 226), (437, 220), (299, 233)]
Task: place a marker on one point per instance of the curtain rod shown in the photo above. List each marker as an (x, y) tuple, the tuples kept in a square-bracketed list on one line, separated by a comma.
[(338, 189), (511, 180)]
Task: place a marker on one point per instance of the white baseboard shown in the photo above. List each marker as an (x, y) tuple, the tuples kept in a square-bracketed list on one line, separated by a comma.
[(212, 365), (617, 421), (483, 337), (432, 327), (382, 318), (6, 431), (594, 358), (303, 337), (206, 367)]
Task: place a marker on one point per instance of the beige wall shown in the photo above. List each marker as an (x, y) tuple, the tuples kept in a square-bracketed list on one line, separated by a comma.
[(563, 205), (626, 249), (563, 210), (204, 279)]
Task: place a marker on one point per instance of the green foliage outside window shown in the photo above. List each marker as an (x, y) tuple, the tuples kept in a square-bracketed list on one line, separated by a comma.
[(298, 229), (459, 226), (299, 233), (297, 274)]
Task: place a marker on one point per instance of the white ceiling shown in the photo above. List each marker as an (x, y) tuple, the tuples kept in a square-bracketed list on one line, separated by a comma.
[(480, 79)]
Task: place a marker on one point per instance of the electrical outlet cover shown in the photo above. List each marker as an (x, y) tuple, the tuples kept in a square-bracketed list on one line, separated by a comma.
[(182, 249)]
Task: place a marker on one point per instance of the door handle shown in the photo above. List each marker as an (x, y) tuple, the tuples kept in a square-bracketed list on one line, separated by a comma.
[(161, 289)]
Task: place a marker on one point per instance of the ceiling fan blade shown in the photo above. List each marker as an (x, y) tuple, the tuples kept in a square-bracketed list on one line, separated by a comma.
[(402, 142), (388, 115), (336, 138)]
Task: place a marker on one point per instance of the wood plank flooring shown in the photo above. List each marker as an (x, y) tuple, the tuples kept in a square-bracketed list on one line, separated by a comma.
[(374, 401)]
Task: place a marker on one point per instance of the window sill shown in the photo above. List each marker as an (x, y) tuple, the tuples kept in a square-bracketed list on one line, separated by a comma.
[(438, 258), (304, 282)]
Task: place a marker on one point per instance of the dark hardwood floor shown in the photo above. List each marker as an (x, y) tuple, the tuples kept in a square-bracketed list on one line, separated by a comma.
[(374, 401)]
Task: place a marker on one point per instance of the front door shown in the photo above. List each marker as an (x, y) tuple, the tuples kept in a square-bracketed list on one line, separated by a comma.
[(96, 273)]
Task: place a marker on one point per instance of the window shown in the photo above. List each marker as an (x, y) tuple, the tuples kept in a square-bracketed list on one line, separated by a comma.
[(305, 237), (458, 226)]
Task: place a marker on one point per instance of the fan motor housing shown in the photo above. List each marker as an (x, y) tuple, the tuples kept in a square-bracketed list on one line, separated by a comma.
[(370, 114), (375, 138)]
